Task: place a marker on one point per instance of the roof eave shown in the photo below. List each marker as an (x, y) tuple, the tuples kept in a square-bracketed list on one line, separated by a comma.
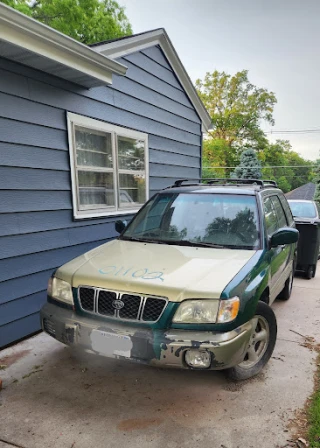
[(119, 48), (45, 42)]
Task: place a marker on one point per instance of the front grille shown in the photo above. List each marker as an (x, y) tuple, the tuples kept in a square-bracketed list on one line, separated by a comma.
[(153, 309), (86, 296), (105, 299), (121, 306), (131, 307)]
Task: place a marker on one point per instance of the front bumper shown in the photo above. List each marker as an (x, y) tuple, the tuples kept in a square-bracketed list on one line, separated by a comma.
[(141, 344)]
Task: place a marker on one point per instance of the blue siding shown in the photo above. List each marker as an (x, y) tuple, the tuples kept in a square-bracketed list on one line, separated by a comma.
[(37, 231)]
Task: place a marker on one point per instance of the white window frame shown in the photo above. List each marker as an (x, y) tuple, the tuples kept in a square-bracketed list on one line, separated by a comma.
[(96, 125)]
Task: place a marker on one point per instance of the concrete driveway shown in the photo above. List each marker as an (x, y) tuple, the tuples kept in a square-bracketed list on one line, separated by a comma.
[(51, 399)]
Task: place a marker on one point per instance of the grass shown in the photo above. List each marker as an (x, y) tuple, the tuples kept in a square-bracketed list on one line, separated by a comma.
[(313, 412)]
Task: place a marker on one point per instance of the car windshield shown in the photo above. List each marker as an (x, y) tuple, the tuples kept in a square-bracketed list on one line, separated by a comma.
[(303, 209), (210, 220)]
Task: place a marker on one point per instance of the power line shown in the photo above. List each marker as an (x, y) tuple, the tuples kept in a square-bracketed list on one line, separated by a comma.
[(261, 167), (294, 131)]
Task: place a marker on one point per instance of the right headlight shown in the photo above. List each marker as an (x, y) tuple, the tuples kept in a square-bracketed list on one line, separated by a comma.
[(60, 290)]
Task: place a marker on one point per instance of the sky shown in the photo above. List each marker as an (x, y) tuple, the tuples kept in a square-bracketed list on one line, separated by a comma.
[(278, 41)]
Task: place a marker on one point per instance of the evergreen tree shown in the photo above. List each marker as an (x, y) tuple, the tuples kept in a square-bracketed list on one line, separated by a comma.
[(249, 167)]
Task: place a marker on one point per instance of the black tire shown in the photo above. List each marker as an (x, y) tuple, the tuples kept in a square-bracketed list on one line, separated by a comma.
[(247, 369), (310, 272), (287, 290)]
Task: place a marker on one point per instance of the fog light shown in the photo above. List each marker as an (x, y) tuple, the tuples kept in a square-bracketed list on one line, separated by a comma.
[(198, 359)]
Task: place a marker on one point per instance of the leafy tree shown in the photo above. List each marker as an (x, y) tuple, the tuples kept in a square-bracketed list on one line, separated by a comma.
[(249, 168), (316, 179), (87, 21), (214, 153), (237, 109), (280, 155)]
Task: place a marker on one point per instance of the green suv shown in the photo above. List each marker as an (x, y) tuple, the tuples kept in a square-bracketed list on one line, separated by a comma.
[(188, 283)]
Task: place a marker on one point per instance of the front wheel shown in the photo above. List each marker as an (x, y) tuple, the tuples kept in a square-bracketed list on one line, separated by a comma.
[(260, 347)]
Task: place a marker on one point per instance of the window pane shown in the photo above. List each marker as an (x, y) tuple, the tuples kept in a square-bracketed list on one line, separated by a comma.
[(96, 188), (280, 213), (132, 189), (303, 209), (287, 209), (223, 219), (271, 217), (93, 148), (130, 153)]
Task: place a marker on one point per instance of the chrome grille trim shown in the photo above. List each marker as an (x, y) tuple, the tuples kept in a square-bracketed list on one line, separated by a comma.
[(119, 294)]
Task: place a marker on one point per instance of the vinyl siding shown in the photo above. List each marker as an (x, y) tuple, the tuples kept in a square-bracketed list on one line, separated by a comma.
[(37, 230)]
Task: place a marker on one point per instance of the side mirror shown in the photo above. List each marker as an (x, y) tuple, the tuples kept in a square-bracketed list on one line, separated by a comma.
[(120, 225), (286, 235)]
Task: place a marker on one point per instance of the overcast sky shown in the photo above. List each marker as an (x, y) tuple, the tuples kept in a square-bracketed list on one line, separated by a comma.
[(278, 41)]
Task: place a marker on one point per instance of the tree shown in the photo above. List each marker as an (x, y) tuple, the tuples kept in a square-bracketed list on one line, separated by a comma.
[(287, 167), (249, 167), (316, 180), (237, 109), (87, 21)]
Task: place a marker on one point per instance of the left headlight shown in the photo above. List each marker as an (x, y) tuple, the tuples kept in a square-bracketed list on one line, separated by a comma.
[(197, 311), (207, 311), (60, 290)]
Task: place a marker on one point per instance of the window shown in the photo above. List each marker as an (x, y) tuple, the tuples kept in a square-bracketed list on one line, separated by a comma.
[(282, 221), (287, 209), (270, 216), (303, 209), (109, 168)]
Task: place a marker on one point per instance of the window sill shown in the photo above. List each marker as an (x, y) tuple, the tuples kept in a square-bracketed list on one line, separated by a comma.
[(101, 214)]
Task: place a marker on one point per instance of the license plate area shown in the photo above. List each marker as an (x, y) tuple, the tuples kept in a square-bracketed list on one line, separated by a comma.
[(111, 344)]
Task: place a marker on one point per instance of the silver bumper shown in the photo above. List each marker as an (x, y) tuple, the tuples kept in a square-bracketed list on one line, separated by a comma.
[(144, 344)]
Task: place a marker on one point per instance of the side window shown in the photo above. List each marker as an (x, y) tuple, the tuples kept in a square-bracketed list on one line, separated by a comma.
[(282, 221), (287, 209), (270, 216)]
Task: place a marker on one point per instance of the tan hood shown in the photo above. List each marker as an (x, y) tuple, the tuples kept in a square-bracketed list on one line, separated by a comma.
[(175, 272)]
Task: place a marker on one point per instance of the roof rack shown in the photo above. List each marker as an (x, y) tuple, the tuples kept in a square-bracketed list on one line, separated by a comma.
[(225, 181)]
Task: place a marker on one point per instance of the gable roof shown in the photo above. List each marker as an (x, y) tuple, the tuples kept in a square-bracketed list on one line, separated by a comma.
[(305, 192), (130, 44), (29, 42)]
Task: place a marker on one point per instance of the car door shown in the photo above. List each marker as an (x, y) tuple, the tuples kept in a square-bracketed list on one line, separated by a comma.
[(287, 249), (278, 255)]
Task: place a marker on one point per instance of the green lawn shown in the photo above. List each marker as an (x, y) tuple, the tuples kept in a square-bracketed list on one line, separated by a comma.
[(314, 413)]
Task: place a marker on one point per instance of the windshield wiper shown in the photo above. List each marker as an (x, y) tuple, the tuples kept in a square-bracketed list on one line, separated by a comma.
[(175, 242), (194, 244), (142, 240)]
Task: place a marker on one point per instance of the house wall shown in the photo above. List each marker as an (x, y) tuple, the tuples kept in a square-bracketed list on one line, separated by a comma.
[(37, 230)]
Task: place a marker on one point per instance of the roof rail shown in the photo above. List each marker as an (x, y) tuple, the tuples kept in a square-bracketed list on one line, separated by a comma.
[(235, 181), (270, 182), (224, 181)]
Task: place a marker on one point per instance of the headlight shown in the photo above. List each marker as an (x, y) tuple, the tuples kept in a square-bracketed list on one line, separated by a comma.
[(197, 312), (228, 310), (60, 290), (207, 311)]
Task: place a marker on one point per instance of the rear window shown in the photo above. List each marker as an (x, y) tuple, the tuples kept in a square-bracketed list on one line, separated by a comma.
[(303, 209)]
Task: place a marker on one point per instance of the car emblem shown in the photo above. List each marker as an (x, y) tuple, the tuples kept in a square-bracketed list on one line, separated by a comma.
[(118, 304)]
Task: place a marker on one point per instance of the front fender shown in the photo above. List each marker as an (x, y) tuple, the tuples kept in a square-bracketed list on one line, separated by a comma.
[(249, 284)]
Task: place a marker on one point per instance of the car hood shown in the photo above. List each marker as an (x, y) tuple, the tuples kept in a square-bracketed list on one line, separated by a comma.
[(175, 272)]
